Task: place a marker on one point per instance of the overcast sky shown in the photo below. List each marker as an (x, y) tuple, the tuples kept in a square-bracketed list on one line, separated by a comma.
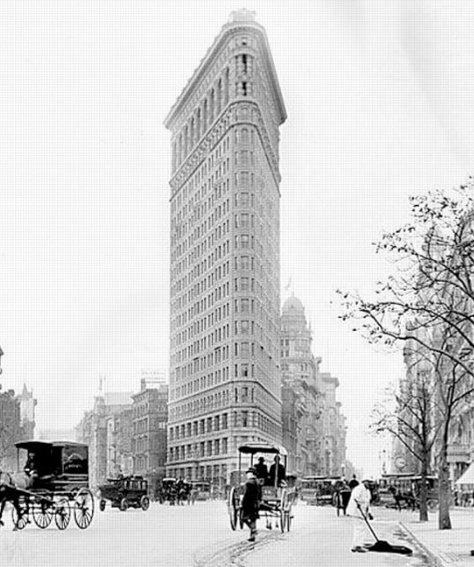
[(379, 100)]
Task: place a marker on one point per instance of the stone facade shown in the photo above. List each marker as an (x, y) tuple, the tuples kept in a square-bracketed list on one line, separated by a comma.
[(224, 369), (27, 404), (10, 429), (149, 427), (96, 431), (314, 430), (17, 423)]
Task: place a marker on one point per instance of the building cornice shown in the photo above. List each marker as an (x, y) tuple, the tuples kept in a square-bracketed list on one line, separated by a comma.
[(211, 138), (211, 56)]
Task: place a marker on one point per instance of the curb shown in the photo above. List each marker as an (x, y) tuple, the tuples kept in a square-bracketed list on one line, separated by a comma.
[(436, 558)]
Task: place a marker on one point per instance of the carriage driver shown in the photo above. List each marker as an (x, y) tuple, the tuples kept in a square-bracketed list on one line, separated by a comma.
[(261, 470), (31, 469), (277, 473)]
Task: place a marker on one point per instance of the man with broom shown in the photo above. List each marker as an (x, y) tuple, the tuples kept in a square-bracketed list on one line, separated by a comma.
[(357, 508)]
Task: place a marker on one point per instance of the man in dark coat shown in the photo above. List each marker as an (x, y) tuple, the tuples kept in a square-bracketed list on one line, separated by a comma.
[(277, 472), (261, 470), (353, 482), (251, 502)]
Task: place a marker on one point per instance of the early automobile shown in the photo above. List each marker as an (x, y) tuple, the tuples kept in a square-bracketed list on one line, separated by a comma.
[(200, 490), (277, 498), (124, 492), (318, 490), (52, 482)]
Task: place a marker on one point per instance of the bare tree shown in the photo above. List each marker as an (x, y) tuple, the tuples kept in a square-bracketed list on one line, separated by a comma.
[(407, 415), (429, 304)]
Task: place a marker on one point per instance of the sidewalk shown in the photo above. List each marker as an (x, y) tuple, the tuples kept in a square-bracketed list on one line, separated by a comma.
[(445, 547)]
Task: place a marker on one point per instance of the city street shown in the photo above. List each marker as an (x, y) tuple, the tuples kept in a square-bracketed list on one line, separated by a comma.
[(200, 536)]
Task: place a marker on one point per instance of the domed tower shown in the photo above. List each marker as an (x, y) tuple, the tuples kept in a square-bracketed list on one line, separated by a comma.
[(295, 333)]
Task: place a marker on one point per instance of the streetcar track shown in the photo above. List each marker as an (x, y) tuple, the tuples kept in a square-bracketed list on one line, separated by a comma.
[(233, 554)]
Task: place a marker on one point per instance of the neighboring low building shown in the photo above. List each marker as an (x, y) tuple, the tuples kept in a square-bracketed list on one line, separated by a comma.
[(119, 443), (17, 423), (94, 428), (10, 429), (27, 404), (149, 432)]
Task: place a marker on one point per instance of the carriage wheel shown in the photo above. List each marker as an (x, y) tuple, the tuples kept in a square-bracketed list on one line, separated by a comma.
[(144, 503), (283, 508), (20, 521), (83, 508), (288, 517), (232, 508), (62, 514), (123, 505), (282, 520), (241, 519), (42, 514), (102, 505)]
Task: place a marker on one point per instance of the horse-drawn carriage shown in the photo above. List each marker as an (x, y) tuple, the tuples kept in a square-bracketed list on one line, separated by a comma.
[(402, 490), (277, 499), (52, 482), (174, 491), (124, 492)]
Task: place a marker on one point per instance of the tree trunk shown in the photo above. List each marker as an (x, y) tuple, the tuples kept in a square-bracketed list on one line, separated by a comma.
[(444, 520), (423, 489)]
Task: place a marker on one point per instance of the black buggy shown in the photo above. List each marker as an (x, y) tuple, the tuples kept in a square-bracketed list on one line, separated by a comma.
[(52, 482), (277, 498), (124, 492)]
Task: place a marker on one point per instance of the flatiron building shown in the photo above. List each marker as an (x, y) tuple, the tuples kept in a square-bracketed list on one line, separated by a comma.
[(225, 380)]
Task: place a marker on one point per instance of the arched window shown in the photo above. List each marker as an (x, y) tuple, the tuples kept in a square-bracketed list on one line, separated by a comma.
[(173, 158), (191, 134), (198, 125), (204, 116), (219, 97), (186, 141), (180, 149), (226, 86), (211, 107)]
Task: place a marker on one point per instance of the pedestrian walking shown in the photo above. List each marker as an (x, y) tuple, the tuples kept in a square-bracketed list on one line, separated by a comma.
[(353, 482), (344, 495), (251, 502), (357, 508)]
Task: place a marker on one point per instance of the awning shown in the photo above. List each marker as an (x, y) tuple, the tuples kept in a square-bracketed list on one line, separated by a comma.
[(467, 476)]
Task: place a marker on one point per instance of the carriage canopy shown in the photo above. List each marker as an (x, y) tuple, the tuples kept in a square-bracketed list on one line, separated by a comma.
[(54, 457)]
